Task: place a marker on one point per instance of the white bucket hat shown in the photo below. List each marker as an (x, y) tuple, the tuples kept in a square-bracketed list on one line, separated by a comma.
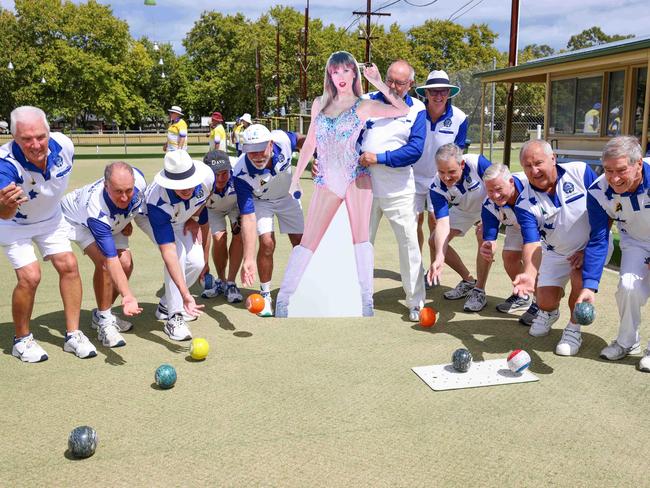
[(438, 79), (255, 138), (176, 109), (246, 118), (180, 171)]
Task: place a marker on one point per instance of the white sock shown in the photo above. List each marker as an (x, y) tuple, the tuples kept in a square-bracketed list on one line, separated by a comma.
[(266, 287), (573, 326), (104, 314)]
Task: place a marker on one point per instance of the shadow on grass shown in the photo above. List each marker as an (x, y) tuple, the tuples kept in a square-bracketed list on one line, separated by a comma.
[(217, 309)]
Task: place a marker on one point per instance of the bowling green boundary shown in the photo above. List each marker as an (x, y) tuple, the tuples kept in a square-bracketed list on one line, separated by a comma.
[(299, 402)]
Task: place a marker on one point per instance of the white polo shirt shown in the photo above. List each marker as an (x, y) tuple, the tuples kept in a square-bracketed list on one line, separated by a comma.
[(265, 184), (224, 200), (468, 194), (90, 206), (560, 221), (168, 213), (493, 215), (630, 211), (450, 127), (398, 144), (44, 189)]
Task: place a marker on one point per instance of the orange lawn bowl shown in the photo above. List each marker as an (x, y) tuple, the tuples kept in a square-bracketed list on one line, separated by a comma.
[(255, 303), (427, 317)]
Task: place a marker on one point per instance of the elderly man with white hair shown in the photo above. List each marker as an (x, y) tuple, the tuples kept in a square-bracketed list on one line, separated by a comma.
[(34, 172), (503, 189), (457, 194), (552, 213), (622, 195)]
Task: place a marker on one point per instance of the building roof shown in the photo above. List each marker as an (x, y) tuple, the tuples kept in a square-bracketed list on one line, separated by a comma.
[(617, 47)]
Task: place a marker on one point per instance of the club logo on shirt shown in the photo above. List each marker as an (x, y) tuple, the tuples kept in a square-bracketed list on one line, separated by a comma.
[(199, 193), (447, 123), (468, 179), (619, 207), (568, 187)]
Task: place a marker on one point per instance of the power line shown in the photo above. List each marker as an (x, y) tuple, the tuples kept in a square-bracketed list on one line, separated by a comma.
[(417, 5), (459, 9), (468, 10)]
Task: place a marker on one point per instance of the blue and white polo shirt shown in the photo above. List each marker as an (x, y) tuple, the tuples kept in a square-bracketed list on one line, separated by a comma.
[(558, 220), (468, 194), (224, 200), (492, 215), (398, 143), (630, 211), (450, 127), (168, 213), (268, 183), (45, 189), (92, 207)]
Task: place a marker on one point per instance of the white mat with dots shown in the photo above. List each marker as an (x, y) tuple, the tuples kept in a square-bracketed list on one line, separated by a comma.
[(442, 377)]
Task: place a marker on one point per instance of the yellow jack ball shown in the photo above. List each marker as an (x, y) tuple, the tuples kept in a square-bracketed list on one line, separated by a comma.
[(199, 348)]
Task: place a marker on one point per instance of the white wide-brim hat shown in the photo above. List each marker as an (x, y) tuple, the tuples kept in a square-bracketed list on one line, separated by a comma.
[(246, 118), (438, 79), (176, 109), (181, 172)]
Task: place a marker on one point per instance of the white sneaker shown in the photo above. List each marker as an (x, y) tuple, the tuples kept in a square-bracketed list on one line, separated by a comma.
[(267, 311), (233, 295), (27, 349), (121, 324), (79, 344), (414, 314), (542, 322), (461, 290), (570, 343), (163, 314), (476, 301), (644, 364), (615, 351), (109, 335), (177, 329)]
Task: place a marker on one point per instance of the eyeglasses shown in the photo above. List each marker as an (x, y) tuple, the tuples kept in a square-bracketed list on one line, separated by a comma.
[(439, 92), (390, 81)]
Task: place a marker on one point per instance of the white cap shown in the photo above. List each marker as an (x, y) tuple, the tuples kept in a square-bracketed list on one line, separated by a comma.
[(180, 171), (255, 138), (246, 118)]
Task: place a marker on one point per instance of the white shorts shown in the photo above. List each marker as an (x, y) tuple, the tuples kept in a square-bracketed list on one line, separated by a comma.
[(423, 202), (17, 241), (288, 211), (555, 269), (462, 221), (217, 219), (83, 238), (514, 241)]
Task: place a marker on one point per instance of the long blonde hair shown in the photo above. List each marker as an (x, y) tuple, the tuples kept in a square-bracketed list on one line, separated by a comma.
[(339, 58)]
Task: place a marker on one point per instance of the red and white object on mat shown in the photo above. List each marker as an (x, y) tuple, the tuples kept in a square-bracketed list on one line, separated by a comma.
[(518, 360)]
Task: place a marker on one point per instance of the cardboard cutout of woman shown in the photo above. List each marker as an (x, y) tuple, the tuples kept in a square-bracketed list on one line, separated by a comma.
[(337, 118)]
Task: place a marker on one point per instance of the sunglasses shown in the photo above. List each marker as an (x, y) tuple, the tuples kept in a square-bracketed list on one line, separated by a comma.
[(390, 81)]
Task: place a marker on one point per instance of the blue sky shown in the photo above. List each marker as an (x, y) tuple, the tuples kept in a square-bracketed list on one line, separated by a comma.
[(541, 21)]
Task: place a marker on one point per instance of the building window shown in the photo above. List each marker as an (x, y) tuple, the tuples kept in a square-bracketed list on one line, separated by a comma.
[(641, 77), (576, 106), (615, 103)]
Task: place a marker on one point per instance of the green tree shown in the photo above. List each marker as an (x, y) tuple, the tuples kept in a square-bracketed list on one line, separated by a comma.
[(593, 37)]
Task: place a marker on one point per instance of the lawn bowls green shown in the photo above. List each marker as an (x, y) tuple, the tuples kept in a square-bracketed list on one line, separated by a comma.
[(82, 442), (165, 376)]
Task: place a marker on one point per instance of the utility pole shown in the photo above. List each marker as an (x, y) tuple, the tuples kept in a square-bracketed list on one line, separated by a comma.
[(512, 61), (277, 67), (368, 13), (305, 51), (258, 84)]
